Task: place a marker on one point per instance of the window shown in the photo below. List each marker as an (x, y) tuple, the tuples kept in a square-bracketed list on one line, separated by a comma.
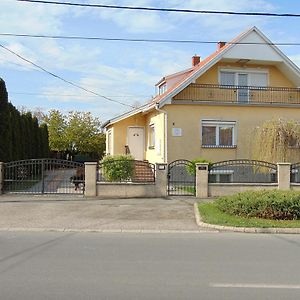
[(245, 80), (218, 134), (221, 176), (109, 142), (246, 77), (162, 88), (151, 136)]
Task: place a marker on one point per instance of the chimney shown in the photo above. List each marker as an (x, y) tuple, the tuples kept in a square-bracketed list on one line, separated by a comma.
[(220, 45), (195, 60)]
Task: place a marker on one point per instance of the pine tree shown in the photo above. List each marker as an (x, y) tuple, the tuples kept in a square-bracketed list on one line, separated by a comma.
[(4, 122)]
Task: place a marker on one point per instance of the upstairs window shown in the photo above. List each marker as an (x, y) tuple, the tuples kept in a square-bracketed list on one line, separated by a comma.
[(218, 134), (162, 88)]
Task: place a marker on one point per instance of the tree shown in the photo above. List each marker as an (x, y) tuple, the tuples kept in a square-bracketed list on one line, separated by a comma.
[(76, 133), (277, 141), (56, 123), (4, 122)]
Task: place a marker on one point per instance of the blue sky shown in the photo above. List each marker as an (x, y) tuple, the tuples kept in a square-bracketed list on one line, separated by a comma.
[(123, 71)]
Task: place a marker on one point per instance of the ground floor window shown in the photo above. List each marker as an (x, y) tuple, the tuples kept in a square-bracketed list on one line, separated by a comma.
[(218, 134), (151, 136), (218, 176)]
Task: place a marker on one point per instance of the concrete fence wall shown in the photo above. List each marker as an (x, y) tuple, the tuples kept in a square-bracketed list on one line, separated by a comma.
[(125, 190), (204, 189), (222, 189)]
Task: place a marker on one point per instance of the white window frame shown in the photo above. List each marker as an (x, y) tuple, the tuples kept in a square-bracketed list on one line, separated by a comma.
[(247, 71), (109, 142), (151, 141), (217, 173), (162, 88), (218, 124)]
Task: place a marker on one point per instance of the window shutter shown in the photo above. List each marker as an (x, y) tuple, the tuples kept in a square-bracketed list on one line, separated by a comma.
[(227, 78), (258, 79)]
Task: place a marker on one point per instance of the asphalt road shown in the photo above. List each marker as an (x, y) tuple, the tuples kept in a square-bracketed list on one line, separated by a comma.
[(49, 265)]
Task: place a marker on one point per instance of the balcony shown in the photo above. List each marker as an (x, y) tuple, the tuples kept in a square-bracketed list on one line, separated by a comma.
[(240, 94)]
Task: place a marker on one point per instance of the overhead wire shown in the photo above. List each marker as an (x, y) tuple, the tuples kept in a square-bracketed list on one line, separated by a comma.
[(94, 38), (159, 9), (63, 79)]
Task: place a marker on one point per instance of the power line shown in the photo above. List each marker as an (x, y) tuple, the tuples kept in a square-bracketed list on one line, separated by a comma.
[(62, 79), (174, 10), (67, 37), (75, 96)]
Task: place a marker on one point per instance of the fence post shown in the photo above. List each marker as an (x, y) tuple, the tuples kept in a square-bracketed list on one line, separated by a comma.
[(90, 169), (1, 177), (284, 176), (161, 180), (201, 180)]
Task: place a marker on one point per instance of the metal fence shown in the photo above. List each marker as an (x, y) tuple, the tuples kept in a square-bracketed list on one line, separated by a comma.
[(181, 178), (243, 171), (240, 94), (295, 173), (44, 176), (135, 171)]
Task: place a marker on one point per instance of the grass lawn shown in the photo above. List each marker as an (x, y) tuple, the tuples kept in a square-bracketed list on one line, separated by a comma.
[(212, 215)]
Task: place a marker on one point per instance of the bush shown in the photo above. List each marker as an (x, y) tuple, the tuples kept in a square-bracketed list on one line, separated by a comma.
[(191, 168), (118, 167), (276, 205)]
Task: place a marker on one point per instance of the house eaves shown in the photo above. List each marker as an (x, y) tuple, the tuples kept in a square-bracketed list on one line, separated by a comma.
[(141, 109)]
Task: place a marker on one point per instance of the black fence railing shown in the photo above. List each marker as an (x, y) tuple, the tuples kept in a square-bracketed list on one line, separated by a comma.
[(242, 171), (134, 171), (44, 176), (240, 94)]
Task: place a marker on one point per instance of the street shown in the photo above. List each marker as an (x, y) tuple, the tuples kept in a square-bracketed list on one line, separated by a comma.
[(52, 265)]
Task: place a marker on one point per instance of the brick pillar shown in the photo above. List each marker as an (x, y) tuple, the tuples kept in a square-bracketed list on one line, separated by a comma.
[(90, 179), (283, 173), (1, 177), (161, 180), (201, 180)]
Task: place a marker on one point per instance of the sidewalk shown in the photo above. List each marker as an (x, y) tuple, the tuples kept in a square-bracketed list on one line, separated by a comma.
[(75, 213)]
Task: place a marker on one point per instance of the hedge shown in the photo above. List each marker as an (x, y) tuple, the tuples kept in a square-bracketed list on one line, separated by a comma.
[(118, 167), (274, 204)]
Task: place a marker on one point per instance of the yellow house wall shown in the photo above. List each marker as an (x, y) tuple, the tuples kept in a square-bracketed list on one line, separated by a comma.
[(188, 118), (158, 153), (119, 138), (276, 78)]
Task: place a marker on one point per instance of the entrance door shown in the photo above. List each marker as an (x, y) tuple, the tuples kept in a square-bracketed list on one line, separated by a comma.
[(136, 139), (243, 91)]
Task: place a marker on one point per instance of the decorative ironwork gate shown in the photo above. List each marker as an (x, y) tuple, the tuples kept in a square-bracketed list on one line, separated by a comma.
[(44, 176), (181, 178)]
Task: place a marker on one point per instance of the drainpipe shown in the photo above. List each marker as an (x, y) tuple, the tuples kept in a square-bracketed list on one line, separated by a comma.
[(165, 132)]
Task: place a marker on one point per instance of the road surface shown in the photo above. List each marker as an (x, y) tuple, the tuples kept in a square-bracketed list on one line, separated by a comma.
[(49, 265)]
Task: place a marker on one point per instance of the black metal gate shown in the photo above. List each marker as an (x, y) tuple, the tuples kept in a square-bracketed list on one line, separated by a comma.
[(44, 176), (181, 178)]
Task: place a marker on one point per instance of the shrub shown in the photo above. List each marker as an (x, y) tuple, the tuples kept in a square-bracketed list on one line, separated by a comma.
[(191, 168), (118, 167), (274, 204)]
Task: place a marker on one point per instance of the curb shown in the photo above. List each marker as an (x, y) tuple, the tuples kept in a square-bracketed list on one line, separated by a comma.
[(77, 230), (200, 223)]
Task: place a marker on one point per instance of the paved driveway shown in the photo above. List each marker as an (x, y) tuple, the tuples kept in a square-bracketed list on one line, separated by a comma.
[(77, 213)]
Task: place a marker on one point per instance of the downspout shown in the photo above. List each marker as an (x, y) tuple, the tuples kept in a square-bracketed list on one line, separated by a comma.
[(165, 131)]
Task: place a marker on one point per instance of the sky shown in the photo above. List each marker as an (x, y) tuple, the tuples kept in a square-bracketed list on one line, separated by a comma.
[(122, 71)]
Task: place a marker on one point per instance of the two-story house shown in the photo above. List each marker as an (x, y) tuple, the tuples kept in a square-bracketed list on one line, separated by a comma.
[(211, 109)]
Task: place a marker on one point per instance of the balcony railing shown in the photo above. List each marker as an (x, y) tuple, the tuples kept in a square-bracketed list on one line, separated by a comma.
[(239, 94)]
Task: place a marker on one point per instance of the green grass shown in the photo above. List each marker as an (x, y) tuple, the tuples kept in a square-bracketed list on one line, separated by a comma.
[(212, 215)]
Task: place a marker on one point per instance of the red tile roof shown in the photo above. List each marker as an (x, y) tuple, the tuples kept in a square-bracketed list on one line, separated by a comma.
[(195, 69)]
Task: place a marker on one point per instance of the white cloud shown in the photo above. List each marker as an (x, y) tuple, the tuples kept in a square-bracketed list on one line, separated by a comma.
[(28, 17)]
